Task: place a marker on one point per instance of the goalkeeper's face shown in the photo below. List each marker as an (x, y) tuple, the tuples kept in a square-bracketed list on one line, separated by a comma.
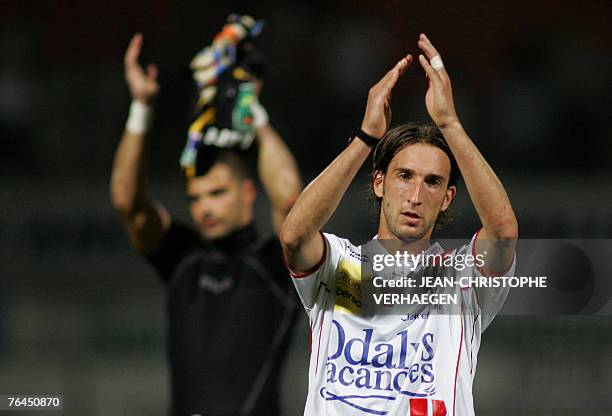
[(220, 201)]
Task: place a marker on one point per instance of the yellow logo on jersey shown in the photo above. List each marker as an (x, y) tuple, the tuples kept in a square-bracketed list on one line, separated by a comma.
[(348, 288)]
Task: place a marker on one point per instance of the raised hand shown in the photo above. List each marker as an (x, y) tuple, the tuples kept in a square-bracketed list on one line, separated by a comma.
[(378, 109), (439, 96), (143, 85)]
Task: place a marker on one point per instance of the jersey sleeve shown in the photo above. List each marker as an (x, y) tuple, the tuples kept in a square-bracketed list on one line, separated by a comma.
[(489, 300), (179, 242), (309, 284)]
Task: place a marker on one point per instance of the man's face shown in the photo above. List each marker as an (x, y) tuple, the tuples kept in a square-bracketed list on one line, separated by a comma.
[(219, 202), (413, 191)]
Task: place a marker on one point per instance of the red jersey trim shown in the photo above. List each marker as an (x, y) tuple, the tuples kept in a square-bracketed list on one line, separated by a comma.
[(316, 268), (319, 343), (457, 368)]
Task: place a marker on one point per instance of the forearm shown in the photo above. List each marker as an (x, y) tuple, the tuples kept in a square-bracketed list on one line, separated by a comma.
[(302, 246), (322, 196), (144, 222), (127, 178), (277, 169), (484, 187)]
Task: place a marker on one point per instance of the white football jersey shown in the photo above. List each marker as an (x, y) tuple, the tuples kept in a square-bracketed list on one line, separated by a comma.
[(389, 364)]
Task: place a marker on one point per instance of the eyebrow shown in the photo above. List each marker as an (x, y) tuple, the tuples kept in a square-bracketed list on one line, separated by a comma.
[(209, 192), (427, 176), (439, 178), (404, 170)]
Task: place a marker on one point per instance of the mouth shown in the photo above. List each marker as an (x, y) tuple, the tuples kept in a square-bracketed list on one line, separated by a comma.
[(209, 223), (411, 217)]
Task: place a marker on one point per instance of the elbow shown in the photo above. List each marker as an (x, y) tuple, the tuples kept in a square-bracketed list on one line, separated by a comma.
[(121, 205), (121, 202), (506, 229), (513, 233), (289, 237)]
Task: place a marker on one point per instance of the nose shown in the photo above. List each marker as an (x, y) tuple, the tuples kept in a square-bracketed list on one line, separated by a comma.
[(201, 207), (415, 198)]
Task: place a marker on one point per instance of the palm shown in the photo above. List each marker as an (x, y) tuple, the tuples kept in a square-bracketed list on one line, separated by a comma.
[(143, 85), (378, 109), (429, 101), (439, 95), (439, 104), (383, 117)]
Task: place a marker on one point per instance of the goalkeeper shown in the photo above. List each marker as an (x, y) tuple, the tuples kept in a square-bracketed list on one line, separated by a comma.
[(230, 307)]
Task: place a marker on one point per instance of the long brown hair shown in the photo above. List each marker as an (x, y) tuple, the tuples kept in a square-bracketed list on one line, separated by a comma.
[(405, 135)]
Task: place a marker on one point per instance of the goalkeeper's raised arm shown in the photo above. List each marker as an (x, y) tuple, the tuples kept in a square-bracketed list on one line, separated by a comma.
[(144, 221)]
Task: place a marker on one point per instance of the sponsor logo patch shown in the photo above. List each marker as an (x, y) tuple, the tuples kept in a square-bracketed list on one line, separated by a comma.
[(348, 288)]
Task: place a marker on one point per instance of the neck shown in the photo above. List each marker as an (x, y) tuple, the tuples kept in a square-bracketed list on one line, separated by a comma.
[(237, 239)]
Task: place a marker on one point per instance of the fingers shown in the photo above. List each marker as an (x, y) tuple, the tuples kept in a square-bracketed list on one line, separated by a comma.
[(400, 67), (431, 73), (427, 47), (390, 79), (133, 50), (408, 61), (430, 52)]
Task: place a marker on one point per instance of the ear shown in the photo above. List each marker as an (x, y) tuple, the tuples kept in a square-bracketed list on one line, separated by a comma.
[(249, 190), (378, 184), (451, 191)]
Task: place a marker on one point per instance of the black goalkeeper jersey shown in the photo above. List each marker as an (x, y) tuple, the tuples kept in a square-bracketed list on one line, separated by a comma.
[(230, 313)]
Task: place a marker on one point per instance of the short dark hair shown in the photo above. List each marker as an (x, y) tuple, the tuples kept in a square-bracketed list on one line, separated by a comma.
[(407, 134), (212, 155)]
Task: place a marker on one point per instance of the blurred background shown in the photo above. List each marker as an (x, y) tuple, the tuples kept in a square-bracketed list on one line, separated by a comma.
[(82, 315)]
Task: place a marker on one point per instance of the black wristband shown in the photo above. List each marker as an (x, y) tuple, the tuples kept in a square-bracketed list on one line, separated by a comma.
[(364, 137)]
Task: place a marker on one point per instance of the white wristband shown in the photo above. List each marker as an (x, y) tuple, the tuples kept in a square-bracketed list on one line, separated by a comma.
[(260, 115), (139, 118)]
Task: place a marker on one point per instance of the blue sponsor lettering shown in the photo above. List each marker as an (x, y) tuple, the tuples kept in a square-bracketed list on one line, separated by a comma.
[(397, 385), (427, 344), (363, 379), (427, 370), (383, 358), (387, 376), (365, 348), (412, 373), (331, 372), (403, 348), (341, 375), (341, 337), (383, 366)]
